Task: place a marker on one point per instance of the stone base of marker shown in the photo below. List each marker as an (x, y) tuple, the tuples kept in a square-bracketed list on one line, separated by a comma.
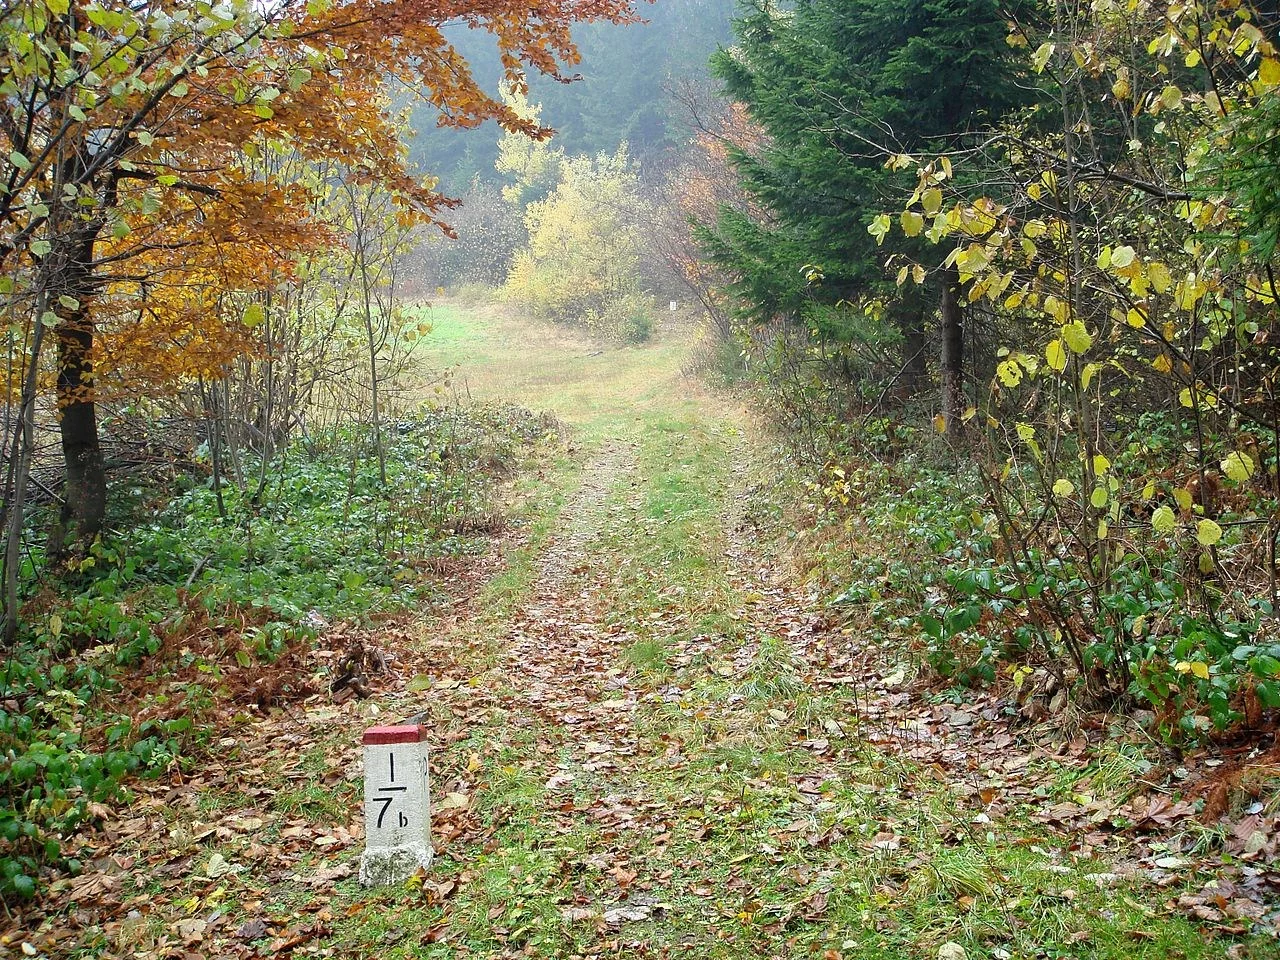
[(387, 866), (397, 805)]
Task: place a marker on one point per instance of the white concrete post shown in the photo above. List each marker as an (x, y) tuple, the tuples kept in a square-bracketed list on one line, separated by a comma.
[(397, 805)]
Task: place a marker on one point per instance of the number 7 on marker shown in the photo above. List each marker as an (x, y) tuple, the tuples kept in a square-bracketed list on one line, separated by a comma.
[(387, 801)]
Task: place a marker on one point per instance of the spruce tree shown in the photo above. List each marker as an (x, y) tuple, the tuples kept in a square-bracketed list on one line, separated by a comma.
[(839, 86)]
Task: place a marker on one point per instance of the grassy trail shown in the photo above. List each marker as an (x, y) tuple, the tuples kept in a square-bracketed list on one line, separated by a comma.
[(664, 750), (647, 742)]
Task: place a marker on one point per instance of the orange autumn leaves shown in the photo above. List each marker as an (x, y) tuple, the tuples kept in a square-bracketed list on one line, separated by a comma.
[(233, 132)]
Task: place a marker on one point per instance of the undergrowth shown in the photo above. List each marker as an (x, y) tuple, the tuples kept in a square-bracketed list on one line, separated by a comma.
[(911, 545), (197, 590)]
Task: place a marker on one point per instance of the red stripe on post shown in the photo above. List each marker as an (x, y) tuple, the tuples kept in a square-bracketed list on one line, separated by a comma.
[(406, 733)]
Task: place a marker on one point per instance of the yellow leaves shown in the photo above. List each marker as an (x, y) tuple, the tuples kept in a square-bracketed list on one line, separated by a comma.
[(1258, 290), (1100, 464), (1163, 520), (1189, 292), (1238, 467), (253, 316), (1013, 369), (879, 228), (1269, 72), (1170, 98), (1058, 309), (915, 271), (1163, 364), (1195, 668), (931, 200), (1040, 59), (1136, 317), (979, 218), (421, 329), (1123, 261), (1009, 372), (1159, 276), (1087, 374), (1122, 257), (1063, 488), (992, 286), (1027, 434), (912, 223), (1035, 228), (1076, 337), (971, 259), (1246, 39), (1199, 398), (1203, 214), (1056, 355), (1208, 533), (1182, 497)]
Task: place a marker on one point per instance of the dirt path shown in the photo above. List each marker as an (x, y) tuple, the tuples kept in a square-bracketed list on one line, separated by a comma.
[(649, 741)]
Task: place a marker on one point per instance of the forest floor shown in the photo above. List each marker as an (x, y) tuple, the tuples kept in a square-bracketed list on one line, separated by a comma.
[(648, 740)]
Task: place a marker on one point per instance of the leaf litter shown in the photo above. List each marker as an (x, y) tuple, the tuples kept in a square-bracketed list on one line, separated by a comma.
[(719, 805)]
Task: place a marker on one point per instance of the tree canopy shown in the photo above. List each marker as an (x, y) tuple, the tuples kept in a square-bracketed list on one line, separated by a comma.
[(144, 187)]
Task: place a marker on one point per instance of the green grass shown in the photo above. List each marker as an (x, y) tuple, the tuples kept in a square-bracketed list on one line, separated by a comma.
[(737, 881), (736, 837)]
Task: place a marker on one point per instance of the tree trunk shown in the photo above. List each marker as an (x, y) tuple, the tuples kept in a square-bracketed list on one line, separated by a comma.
[(85, 494), (14, 511), (908, 314), (914, 365), (952, 362)]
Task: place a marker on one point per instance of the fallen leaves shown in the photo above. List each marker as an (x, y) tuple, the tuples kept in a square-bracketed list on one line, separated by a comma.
[(254, 929), (539, 724), (451, 801), (627, 914), (218, 866)]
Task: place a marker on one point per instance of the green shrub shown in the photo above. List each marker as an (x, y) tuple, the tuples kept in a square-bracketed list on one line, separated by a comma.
[(1201, 660)]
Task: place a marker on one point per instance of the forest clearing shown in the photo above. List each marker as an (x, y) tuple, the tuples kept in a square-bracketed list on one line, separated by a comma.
[(709, 478)]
